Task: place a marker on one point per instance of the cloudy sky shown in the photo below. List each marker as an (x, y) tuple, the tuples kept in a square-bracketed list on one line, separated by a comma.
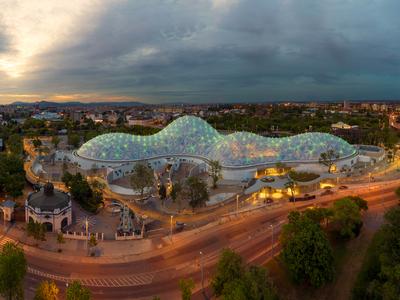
[(199, 51)]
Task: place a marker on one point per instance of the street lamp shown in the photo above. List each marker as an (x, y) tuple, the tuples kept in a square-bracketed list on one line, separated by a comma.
[(237, 203), (170, 232), (202, 270), (87, 232), (272, 240)]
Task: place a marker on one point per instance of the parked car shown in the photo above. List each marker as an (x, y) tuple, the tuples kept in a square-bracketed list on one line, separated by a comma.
[(343, 187)]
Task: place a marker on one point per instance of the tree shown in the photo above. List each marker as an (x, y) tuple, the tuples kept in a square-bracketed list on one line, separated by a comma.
[(186, 286), (97, 185), (142, 177), (13, 267), (215, 172), (360, 202), (60, 239), (92, 241), (328, 158), (229, 268), (290, 185), (46, 290), (162, 192), (14, 144), (76, 291), (379, 276), (347, 217), (36, 229), (37, 143), (306, 251), (233, 280), (55, 140), (318, 214), (82, 192), (176, 193), (12, 174), (74, 140), (197, 192)]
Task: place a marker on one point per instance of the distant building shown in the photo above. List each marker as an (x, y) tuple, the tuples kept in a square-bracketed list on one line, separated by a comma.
[(350, 133), (47, 116)]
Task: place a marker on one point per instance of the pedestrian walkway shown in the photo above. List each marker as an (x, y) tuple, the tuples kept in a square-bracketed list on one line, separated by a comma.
[(121, 281)]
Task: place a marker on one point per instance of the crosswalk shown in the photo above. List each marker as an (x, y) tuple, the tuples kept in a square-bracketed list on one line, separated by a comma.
[(122, 281), (4, 240)]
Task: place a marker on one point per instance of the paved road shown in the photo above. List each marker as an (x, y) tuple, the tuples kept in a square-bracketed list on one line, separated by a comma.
[(158, 273)]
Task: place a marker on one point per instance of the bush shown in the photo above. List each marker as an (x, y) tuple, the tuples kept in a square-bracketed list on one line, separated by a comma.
[(302, 176)]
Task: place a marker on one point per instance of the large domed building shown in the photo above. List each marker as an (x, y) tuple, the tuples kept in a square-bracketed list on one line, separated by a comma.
[(190, 138)]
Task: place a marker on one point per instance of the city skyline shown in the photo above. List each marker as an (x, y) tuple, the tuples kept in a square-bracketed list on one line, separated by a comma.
[(198, 51)]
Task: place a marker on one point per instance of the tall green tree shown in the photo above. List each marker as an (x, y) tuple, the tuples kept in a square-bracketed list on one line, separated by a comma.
[(186, 286), (12, 174), (74, 140), (306, 251), (196, 189), (142, 177), (215, 172), (229, 268), (13, 268), (76, 291), (347, 217), (46, 290), (55, 140), (234, 280)]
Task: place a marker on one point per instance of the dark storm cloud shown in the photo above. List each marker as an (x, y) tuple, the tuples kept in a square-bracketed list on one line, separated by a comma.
[(230, 51)]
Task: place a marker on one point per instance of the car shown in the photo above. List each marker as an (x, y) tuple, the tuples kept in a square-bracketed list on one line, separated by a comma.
[(343, 187), (179, 226), (326, 192)]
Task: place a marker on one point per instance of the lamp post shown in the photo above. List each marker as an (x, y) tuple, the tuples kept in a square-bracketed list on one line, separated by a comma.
[(237, 204), (202, 270), (272, 240), (87, 232), (170, 231)]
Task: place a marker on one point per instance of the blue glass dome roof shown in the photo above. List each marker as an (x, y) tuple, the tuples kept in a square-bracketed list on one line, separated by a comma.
[(193, 136)]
